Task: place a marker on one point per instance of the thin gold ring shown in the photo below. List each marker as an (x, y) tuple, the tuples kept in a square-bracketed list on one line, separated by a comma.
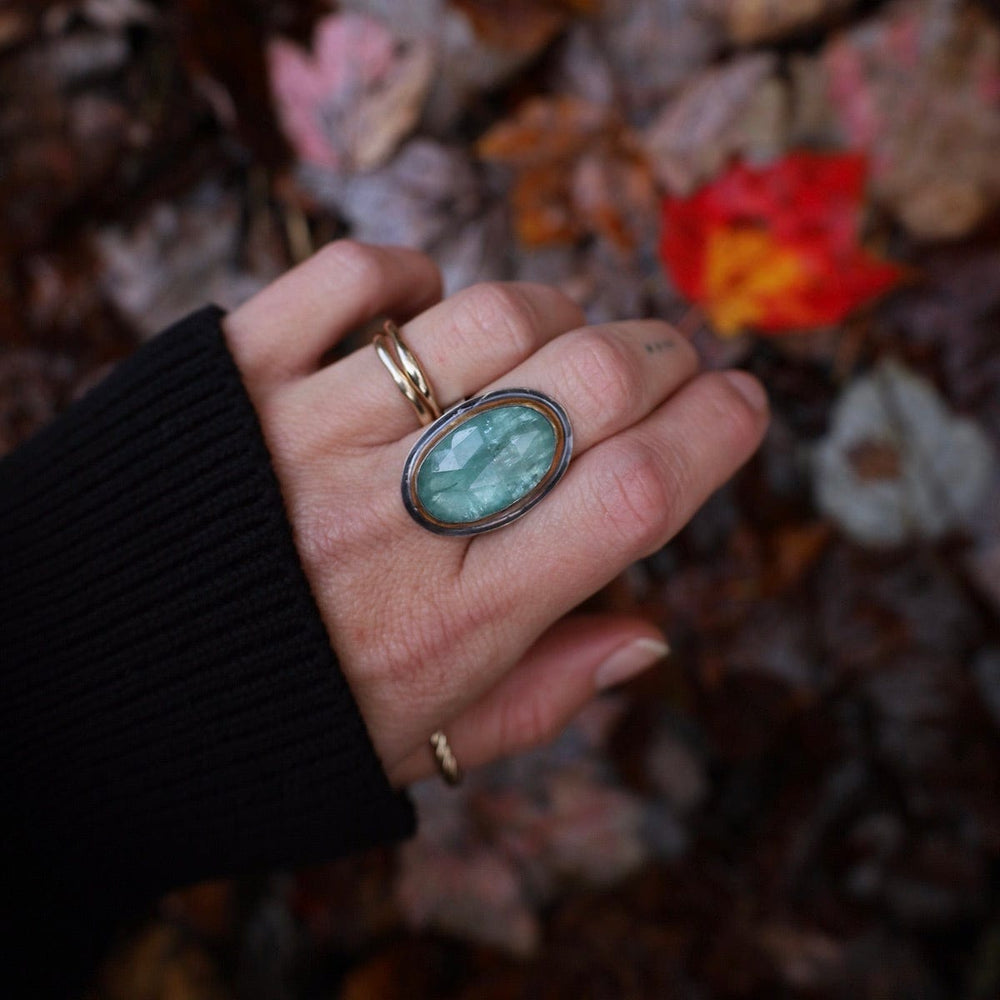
[(406, 372), (445, 759)]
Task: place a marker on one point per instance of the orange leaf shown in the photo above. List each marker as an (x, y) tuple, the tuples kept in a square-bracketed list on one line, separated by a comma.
[(543, 129), (775, 249), (521, 26), (578, 170), (543, 214)]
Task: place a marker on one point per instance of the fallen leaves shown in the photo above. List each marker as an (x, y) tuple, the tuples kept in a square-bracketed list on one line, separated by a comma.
[(429, 197), (177, 254), (712, 120), (524, 26), (347, 105), (896, 465), (808, 786), (749, 22), (653, 47), (805, 958), (489, 856), (918, 90), (775, 249), (578, 170), (163, 964)]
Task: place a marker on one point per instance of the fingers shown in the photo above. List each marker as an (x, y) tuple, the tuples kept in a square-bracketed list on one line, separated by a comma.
[(285, 329), (608, 377), (533, 702), (475, 336), (621, 500)]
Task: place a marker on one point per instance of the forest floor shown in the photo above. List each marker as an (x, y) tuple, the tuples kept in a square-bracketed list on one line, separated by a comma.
[(803, 801)]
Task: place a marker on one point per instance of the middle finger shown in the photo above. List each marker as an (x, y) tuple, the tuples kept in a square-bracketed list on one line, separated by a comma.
[(607, 377)]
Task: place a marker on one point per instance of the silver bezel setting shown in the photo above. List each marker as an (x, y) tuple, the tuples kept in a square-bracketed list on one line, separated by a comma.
[(457, 415)]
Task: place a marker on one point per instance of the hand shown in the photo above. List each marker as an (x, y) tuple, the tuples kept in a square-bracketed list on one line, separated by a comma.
[(468, 634)]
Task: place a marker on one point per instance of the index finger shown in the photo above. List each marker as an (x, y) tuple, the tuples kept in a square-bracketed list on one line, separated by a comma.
[(287, 327)]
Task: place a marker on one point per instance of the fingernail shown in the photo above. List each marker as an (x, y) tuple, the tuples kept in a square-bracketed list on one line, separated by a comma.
[(628, 661), (749, 388)]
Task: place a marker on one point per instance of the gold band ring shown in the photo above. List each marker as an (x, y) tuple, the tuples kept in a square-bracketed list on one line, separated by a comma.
[(446, 761), (406, 372)]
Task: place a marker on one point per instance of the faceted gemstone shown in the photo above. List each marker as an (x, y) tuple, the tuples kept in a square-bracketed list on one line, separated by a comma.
[(488, 462)]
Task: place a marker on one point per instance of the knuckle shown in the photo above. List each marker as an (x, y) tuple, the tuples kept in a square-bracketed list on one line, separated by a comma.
[(555, 301), (362, 263), (504, 310), (322, 540), (527, 723), (325, 541), (640, 493), (604, 371)]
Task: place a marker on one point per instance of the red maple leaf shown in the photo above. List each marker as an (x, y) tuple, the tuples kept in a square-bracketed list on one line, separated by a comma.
[(776, 249)]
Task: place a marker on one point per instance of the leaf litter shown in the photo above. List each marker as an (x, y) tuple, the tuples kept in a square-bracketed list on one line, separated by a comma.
[(803, 800)]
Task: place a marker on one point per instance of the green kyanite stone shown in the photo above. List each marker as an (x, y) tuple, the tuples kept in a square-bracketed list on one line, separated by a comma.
[(486, 463)]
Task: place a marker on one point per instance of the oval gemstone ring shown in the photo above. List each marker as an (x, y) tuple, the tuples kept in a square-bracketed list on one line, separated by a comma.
[(487, 461)]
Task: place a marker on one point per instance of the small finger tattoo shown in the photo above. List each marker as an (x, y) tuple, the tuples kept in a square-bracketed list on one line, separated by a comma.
[(658, 346)]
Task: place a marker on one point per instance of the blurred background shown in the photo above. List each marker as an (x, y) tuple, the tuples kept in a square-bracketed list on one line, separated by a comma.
[(803, 802)]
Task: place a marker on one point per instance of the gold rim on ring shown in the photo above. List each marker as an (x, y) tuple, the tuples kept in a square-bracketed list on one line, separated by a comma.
[(445, 759), (406, 372)]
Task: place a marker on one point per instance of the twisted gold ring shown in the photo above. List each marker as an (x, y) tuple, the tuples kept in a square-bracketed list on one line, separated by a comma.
[(445, 759)]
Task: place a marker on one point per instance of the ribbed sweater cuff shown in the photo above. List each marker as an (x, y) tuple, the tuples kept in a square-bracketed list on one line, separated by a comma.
[(172, 708)]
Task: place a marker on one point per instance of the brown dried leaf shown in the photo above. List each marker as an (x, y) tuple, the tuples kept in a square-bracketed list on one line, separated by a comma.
[(806, 959), (793, 551), (748, 22), (15, 27), (161, 964), (207, 908), (543, 130), (874, 460), (579, 170), (917, 90), (523, 26), (543, 211), (719, 114)]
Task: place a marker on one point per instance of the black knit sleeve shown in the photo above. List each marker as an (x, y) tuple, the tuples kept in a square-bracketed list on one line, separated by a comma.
[(171, 707)]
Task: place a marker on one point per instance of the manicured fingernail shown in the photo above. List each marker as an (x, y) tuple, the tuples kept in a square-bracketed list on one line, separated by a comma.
[(628, 661), (749, 388)]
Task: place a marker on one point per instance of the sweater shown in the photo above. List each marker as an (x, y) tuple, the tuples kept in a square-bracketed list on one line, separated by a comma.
[(172, 708)]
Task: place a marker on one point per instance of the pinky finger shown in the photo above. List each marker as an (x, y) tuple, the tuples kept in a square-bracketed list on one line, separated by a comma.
[(531, 705)]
